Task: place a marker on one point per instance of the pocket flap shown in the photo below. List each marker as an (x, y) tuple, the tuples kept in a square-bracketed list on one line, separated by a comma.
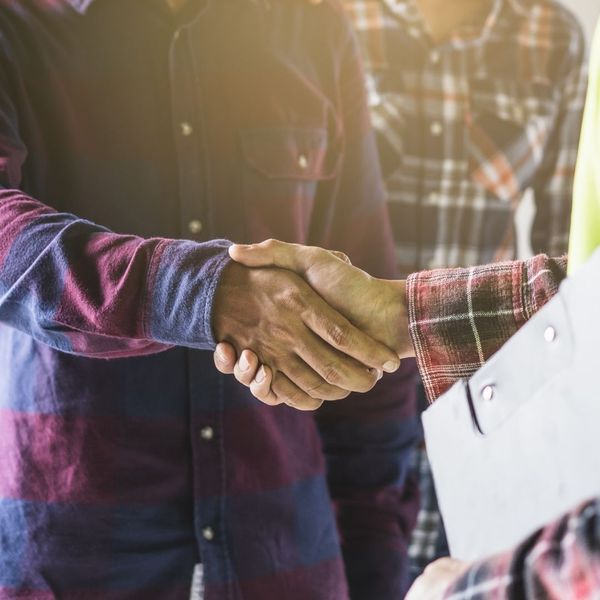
[(289, 153)]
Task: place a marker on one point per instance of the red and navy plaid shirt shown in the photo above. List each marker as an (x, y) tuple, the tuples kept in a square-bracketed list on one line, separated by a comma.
[(125, 458), (458, 319), (466, 127)]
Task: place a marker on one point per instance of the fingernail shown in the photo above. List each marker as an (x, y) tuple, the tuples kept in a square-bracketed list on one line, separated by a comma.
[(378, 373), (390, 366), (260, 376), (244, 364), (221, 354)]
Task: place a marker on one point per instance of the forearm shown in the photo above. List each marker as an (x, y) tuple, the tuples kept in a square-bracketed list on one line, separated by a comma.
[(458, 318), (83, 289)]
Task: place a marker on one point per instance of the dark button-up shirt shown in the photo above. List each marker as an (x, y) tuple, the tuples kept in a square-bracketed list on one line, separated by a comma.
[(125, 458)]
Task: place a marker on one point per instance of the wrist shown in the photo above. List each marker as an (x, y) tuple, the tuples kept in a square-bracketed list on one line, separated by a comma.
[(394, 307), (226, 306)]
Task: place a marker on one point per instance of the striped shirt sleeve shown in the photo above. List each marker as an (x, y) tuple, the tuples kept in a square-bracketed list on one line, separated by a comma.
[(83, 289)]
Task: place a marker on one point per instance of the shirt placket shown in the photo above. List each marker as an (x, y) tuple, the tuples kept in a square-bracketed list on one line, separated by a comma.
[(189, 136), (206, 395)]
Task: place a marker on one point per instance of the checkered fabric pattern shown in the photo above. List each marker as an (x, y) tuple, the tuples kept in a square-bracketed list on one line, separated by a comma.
[(458, 319), (463, 130), (428, 540), (466, 127), (560, 561)]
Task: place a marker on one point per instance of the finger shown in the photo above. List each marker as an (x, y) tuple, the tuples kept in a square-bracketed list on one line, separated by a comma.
[(341, 256), (305, 378), (261, 387), (293, 257), (225, 357), (334, 367), (340, 334), (246, 367), (292, 395)]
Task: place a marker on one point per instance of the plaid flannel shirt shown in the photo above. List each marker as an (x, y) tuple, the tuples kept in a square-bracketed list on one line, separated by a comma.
[(458, 319), (464, 129), (125, 457)]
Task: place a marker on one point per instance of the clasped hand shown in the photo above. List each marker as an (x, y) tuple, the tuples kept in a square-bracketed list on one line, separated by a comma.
[(300, 325)]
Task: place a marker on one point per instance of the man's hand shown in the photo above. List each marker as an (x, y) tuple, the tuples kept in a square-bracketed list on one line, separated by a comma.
[(315, 354), (436, 579), (375, 306)]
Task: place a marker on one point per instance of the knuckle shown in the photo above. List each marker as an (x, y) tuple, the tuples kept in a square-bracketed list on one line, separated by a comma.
[(262, 394), (289, 394), (332, 375), (297, 398), (338, 335), (218, 363), (291, 297), (326, 391), (243, 378)]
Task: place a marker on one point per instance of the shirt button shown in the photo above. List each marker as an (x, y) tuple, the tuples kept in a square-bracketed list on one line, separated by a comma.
[(487, 393), (186, 129), (208, 533), (195, 226), (207, 433), (176, 35), (434, 198), (303, 162), (550, 334), (434, 57), (436, 128)]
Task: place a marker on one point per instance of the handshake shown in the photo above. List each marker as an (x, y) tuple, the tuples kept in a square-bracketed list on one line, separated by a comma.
[(300, 325)]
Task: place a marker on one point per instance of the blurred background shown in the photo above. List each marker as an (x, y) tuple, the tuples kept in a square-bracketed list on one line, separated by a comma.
[(588, 12)]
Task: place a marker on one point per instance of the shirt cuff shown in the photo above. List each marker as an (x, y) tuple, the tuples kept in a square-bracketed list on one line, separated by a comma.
[(182, 284), (459, 317)]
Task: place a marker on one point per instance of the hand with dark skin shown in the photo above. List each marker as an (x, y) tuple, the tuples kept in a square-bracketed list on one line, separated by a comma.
[(375, 306), (314, 353)]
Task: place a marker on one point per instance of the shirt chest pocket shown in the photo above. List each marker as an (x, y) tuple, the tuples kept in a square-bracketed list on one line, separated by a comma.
[(283, 172), (509, 125)]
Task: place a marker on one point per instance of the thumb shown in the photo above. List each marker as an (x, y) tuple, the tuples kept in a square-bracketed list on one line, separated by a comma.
[(272, 253)]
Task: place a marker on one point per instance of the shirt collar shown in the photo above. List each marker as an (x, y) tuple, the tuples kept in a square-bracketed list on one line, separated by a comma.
[(407, 10)]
